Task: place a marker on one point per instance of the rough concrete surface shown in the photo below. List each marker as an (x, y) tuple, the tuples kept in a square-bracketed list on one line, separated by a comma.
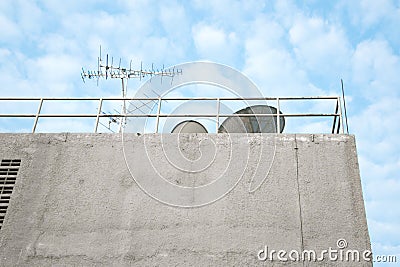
[(75, 202)]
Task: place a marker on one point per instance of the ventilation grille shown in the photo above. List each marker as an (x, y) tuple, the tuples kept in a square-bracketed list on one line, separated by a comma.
[(8, 175)]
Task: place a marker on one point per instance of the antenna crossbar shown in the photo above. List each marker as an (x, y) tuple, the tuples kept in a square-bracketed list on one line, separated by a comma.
[(106, 70)]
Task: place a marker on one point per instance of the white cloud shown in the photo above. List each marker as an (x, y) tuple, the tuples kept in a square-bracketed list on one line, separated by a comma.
[(367, 13), (378, 121), (208, 38), (286, 11), (234, 17), (275, 72), (10, 32), (322, 47), (174, 19), (376, 69), (387, 231), (215, 44), (374, 11), (51, 75), (31, 18), (269, 61), (65, 125)]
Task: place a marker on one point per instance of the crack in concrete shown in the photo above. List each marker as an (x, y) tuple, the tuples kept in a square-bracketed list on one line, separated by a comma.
[(296, 149)]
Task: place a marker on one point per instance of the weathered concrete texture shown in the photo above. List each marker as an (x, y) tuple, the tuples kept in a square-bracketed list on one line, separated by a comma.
[(76, 203)]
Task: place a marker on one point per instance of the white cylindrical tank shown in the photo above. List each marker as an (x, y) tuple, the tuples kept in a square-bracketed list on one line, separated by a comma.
[(189, 126)]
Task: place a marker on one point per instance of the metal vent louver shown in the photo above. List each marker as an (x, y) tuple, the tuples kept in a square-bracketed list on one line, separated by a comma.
[(8, 175)]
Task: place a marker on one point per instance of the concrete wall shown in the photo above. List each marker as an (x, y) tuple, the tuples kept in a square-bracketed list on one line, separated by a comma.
[(75, 201)]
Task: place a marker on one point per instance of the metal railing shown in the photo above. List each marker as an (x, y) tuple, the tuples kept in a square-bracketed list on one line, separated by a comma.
[(337, 123)]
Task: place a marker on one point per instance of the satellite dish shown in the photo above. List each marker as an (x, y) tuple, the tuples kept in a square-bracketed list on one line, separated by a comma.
[(253, 124), (189, 126)]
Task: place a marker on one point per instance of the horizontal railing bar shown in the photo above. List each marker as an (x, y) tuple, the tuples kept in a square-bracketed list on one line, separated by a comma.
[(162, 115), (17, 115), (49, 98), (156, 98)]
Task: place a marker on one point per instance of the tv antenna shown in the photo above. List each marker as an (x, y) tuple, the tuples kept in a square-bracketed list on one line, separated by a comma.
[(108, 70)]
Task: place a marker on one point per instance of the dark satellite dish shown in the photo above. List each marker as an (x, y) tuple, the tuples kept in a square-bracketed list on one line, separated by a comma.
[(189, 126), (253, 124)]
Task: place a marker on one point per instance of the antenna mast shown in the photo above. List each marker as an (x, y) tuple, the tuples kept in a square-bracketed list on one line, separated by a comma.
[(106, 70), (344, 104)]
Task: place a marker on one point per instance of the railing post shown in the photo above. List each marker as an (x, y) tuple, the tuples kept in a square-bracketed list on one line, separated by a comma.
[(334, 118), (158, 113), (341, 126), (98, 114), (37, 115), (278, 124), (218, 109)]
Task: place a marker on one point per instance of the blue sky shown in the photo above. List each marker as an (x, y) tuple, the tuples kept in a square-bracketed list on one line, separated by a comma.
[(288, 48)]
